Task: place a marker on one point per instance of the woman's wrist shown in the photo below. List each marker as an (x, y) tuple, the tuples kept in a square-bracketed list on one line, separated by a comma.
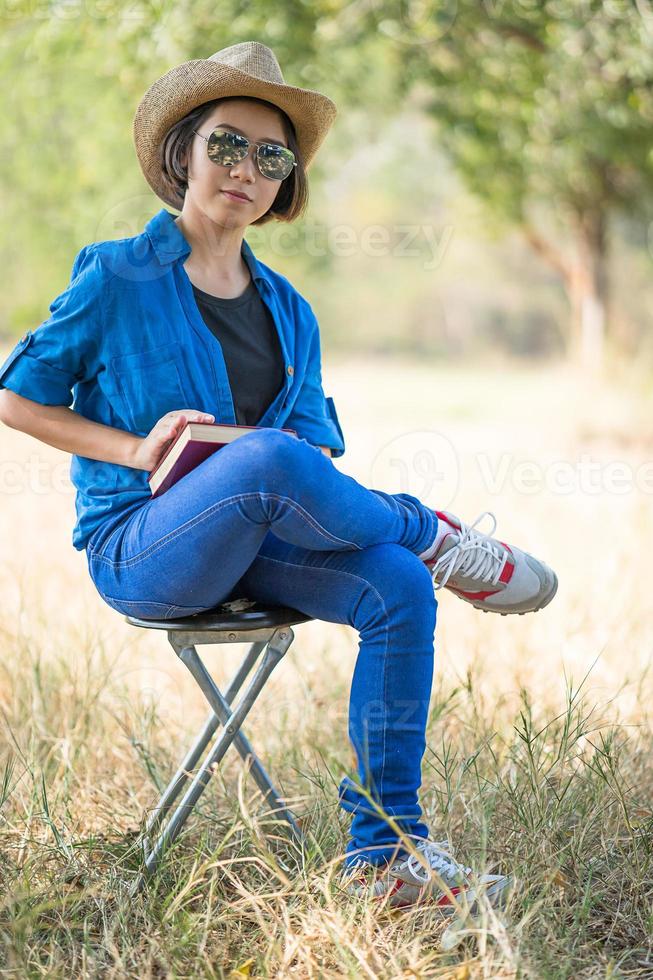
[(133, 445)]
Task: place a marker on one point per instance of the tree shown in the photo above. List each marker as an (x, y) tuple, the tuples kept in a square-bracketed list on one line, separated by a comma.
[(545, 109)]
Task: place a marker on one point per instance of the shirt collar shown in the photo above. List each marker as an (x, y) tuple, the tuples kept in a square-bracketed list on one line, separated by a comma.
[(170, 245)]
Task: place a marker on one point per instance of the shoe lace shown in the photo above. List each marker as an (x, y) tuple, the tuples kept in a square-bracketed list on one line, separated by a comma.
[(355, 868), (438, 860), (474, 555), (360, 864)]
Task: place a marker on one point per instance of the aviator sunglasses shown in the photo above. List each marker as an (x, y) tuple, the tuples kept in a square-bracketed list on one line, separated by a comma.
[(226, 149)]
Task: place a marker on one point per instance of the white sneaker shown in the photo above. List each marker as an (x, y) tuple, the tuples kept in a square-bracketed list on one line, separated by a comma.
[(430, 875), (492, 575)]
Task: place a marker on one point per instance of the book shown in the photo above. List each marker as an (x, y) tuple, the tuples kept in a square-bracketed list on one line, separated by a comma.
[(195, 443)]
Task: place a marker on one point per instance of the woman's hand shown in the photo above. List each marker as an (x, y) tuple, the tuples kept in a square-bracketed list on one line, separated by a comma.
[(151, 447)]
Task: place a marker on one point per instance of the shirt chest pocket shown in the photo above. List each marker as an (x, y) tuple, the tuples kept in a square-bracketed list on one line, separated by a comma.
[(149, 384)]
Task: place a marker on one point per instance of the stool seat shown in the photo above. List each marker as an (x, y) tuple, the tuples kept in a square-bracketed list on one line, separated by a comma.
[(228, 616)]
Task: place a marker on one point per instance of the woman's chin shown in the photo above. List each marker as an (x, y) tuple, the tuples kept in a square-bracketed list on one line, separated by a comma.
[(223, 216)]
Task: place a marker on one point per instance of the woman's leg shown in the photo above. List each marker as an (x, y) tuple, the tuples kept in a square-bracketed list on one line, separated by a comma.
[(385, 592), (269, 516), (183, 551)]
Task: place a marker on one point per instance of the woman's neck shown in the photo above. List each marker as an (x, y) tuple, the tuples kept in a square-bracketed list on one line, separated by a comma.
[(216, 252)]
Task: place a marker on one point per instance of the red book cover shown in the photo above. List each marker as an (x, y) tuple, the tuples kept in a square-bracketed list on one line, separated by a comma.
[(195, 443)]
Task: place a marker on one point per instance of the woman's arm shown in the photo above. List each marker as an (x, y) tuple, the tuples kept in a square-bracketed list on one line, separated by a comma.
[(65, 429)]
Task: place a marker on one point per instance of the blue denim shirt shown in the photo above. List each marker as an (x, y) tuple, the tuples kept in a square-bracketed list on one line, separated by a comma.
[(125, 343)]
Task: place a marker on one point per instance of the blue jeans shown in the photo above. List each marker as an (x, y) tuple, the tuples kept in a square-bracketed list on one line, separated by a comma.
[(271, 518)]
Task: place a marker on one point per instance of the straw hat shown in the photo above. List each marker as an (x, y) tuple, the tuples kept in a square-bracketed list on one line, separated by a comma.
[(245, 69)]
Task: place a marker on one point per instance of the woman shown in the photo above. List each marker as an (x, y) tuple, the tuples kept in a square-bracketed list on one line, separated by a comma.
[(227, 142)]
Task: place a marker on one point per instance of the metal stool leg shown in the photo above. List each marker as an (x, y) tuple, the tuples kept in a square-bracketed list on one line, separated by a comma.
[(221, 706), (276, 649), (193, 755)]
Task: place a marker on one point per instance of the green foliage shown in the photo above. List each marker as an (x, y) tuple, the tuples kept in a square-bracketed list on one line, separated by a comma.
[(74, 74), (543, 110), (549, 101)]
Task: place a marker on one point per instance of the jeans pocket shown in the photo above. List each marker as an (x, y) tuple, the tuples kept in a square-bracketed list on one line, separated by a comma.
[(148, 609), (102, 538)]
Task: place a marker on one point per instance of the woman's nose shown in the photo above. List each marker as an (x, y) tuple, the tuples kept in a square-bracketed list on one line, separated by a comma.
[(247, 164)]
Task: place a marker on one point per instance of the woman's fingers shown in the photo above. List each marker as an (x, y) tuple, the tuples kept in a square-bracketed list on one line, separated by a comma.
[(190, 414), (193, 413), (176, 420)]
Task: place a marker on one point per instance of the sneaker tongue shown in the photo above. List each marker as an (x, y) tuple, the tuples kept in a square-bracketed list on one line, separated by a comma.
[(448, 542), (452, 535)]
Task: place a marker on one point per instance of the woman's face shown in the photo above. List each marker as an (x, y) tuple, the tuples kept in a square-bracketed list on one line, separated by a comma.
[(208, 181)]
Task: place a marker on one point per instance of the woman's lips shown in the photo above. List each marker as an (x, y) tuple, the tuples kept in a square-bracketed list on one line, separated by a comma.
[(235, 197)]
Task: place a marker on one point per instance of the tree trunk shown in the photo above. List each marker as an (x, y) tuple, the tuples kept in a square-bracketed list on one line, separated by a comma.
[(587, 286)]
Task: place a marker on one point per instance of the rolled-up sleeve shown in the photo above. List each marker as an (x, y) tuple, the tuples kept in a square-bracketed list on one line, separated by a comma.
[(314, 416), (47, 362)]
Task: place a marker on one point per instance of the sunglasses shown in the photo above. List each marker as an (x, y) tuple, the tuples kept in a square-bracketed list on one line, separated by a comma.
[(226, 149)]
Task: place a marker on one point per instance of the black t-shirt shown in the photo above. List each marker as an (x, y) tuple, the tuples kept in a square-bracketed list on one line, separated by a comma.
[(250, 344)]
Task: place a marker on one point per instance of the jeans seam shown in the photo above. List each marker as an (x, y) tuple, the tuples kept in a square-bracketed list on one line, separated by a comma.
[(165, 606), (174, 605), (212, 509), (385, 702), (89, 548), (324, 568)]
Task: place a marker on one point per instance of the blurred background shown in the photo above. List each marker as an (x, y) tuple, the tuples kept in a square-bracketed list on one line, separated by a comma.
[(487, 185), (478, 249)]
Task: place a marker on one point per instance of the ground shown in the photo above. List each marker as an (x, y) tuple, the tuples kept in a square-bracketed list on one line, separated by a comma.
[(539, 739)]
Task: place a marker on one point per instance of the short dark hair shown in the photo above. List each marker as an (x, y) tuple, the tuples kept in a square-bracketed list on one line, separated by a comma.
[(292, 197)]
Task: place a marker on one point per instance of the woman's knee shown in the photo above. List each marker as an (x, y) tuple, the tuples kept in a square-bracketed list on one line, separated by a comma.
[(397, 569), (400, 584), (260, 455)]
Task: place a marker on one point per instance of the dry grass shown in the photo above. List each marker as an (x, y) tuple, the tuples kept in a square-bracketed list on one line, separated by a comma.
[(539, 742)]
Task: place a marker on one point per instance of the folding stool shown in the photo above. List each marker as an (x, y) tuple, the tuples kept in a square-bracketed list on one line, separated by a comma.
[(240, 621)]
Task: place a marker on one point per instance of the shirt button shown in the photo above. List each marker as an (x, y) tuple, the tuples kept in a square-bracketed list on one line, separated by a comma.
[(291, 369)]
